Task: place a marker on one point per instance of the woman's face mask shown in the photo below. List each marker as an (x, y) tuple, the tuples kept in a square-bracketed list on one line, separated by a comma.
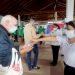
[(12, 29), (54, 28), (70, 33)]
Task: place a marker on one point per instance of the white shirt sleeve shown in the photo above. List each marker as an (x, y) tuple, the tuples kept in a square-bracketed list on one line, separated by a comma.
[(62, 39)]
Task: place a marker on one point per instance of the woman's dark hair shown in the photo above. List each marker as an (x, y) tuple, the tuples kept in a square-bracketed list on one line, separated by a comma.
[(71, 23), (57, 25)]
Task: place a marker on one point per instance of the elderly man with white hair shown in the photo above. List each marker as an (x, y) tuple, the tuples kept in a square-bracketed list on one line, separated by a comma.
[(8, 26)]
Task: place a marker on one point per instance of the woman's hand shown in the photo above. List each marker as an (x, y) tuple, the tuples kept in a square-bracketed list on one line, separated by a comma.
[(34, 41), (71, 40)]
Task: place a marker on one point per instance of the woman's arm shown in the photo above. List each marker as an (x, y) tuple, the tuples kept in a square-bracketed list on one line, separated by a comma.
[(51, 39), (71, 40)]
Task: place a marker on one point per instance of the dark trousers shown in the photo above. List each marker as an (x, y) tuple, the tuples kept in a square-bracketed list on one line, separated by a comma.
[(55, 51), (69, 70), (35, 60)]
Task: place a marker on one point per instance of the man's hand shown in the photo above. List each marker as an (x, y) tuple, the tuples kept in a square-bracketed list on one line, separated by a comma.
[(26, 49), (71, 40)]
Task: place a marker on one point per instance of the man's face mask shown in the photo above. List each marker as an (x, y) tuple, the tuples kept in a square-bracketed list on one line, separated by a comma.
[(13, 29), (70, 33)]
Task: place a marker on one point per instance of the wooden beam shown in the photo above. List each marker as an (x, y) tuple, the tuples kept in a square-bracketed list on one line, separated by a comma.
[(43, 12), (46, 6)]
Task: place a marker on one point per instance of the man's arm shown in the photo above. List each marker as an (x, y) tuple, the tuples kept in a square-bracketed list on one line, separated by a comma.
[(26, 49), (34, 35)]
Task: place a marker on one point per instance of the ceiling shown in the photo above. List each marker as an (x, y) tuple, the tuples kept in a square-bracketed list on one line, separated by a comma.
[(38, 9)]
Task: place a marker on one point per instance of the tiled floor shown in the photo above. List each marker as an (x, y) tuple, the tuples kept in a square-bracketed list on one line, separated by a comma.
[(45, 56)]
